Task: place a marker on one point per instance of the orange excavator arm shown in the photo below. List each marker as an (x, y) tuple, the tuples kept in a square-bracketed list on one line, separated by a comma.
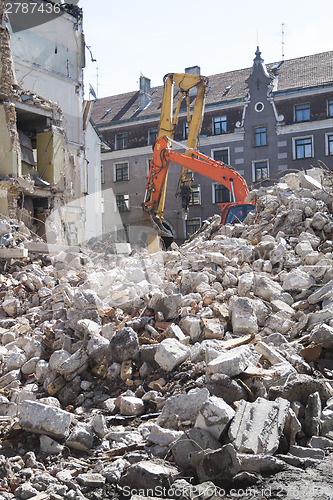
[(198, 162)]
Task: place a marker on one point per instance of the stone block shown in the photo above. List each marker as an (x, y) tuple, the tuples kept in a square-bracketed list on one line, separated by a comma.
[(124, 345), (44, 419), (302, 452), (49, 446), (257, 427), (149, 475), (81, 437), (170, 353), (74, 365), (232, 362), (192, 441), (214, 415), (243, 317), (182, 408), (131, 405), (297, 281), (217, 466)]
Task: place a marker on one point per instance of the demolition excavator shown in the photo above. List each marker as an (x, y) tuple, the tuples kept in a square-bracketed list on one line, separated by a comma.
[(190, 160)]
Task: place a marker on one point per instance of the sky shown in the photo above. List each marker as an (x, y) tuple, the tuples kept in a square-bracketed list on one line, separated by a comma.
[(130, 38)]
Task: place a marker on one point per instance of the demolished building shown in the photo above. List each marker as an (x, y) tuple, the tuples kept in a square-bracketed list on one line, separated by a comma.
[(43, 166)]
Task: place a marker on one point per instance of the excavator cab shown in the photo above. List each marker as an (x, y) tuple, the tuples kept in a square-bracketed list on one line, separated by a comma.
[(235, 212)]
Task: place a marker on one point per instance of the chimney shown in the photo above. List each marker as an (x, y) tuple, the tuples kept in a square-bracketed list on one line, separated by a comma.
[(144, 93), (193, 70)]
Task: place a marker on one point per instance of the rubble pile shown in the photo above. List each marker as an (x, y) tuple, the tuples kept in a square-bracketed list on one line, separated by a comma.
[(209, 364)]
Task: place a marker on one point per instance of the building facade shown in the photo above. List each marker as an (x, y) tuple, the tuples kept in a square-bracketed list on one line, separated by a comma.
[(262, 120)]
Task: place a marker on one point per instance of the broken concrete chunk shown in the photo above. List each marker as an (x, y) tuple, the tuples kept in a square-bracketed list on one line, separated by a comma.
[(131, 405), (74, 365), (169, 305), (191, 326), (261, 463), (149, 475), (81, 437), (300, 388), (217, 466), (312, 415), (170, 353), (214, 415), (182, 408), (257, 427), (44, 419), (88, 328), (49, 446), (322, 334), (10, 377), (321, 442), (114, 470), (124, 345), (232, 362), (91, 480), (192, 441), (297, 280), (243, 317), (212, 328)]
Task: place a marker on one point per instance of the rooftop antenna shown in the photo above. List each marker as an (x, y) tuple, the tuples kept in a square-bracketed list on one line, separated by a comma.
[(282, 41), (97, 81)]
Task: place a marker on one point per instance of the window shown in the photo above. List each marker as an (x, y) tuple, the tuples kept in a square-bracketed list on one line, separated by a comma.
[(121, 141), (220, 194), (220, 125), (122, 202), (195, 196), (330, 107), (192, 225), (329, 144), (121, 172), (302, 148), (185, 131), (260, 136), (221, 155), (302, 112), (102, 173), (152, 136), (260, 171)]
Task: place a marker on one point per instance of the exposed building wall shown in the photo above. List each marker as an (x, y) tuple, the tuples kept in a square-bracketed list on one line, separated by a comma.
[(93, 223)]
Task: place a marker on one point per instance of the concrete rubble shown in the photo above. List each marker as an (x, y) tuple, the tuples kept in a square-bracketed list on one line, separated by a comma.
[(125, 374)]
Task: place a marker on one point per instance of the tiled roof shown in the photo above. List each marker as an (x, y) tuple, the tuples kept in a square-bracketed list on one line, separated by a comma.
[(301, 73)]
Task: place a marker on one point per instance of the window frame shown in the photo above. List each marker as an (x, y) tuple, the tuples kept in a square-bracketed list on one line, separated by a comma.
[(330, 108), (221, 120), (227, 150), (222, 189), (295, 146), (185, 131), (117, 205), (258, 133), (190, 220), (152, 132), (305, 107), (115, 171), (120, 141), (191, 203), (254, 170), (328, 143)]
